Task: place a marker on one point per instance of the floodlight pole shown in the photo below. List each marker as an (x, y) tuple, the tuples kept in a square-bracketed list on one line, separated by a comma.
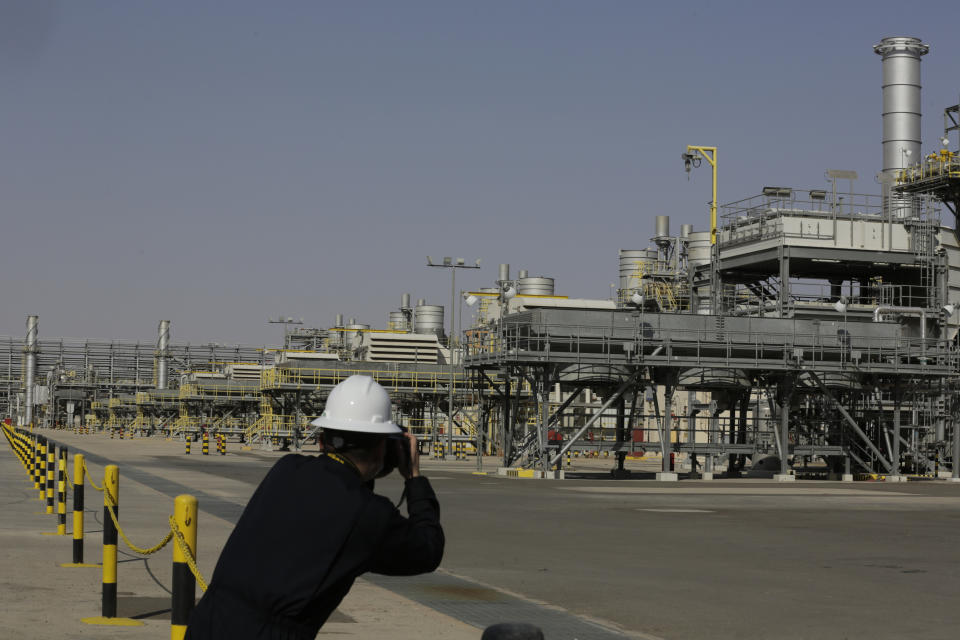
[(453, 266), (710, 154)]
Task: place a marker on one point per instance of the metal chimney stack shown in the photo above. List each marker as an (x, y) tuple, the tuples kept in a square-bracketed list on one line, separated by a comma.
[(163, 351), (31, 352), (901, 104)]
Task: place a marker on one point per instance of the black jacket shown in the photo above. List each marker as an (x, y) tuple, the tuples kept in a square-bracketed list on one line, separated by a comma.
[(309, 530)]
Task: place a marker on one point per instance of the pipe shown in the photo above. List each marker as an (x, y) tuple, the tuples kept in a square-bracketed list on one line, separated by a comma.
[(163, 345), (911, 311), (503, 273), (31, 352)]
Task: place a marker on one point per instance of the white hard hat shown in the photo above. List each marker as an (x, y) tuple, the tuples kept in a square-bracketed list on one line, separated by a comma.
[(358, 404)]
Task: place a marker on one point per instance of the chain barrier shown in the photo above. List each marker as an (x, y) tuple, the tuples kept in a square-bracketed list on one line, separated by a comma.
[(133, 547), (187, 553), (87, 473)]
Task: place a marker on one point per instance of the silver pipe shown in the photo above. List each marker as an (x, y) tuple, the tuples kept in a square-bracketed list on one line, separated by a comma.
[(31, 352), (163, 348), (504, 273), (906, 311)]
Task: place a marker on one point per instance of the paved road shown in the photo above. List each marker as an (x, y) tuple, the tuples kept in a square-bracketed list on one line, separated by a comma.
[(746, 559)]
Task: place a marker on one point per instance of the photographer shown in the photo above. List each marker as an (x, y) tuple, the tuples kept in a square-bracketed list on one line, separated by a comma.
[(314, 525)]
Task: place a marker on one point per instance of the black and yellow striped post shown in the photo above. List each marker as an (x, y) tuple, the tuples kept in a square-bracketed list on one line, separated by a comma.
[(111, 496), (62, 493), (569, 462), (188, 446), (78, 471), (42, 469), (206, 444), (36, 462), (184, 584), (51, 472), (111, 499)]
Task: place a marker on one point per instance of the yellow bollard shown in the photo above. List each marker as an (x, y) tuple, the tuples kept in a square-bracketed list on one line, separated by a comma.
[(51, 469), (184, 584), (36, 463), (41, 470), (111, 499), (62, 493), (78, 462)]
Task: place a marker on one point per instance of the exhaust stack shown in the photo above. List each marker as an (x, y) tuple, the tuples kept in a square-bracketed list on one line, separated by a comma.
[(163, 348), (30, 350), (901, 107)]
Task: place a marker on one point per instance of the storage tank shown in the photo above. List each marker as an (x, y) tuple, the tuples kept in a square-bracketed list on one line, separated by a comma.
[(628, 268), (397, 321), (686, 230), (428, 318), (354, 334), (698, 250), (535, 286)]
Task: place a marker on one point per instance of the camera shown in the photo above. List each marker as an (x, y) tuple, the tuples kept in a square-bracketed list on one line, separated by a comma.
[(397, 453)]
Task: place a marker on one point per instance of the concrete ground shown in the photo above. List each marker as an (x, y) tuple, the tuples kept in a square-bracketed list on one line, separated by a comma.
[(728, 558)]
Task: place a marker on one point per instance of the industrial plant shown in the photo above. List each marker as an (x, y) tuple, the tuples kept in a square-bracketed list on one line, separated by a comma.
[(798, 331)]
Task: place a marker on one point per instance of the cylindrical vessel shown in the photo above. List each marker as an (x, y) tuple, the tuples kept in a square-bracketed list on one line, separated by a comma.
[(535, 286), (428, 318), (698, 249), (630, 268), (355, 334), (421, 302), (405, 301), (397, 321), (163, 344), (686, 230), (522, 273), (663, 226), (503, 274), (31, 372), (339, 320), (901, 100)]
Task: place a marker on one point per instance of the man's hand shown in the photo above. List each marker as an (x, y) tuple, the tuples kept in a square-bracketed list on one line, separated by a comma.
[(409, 466)]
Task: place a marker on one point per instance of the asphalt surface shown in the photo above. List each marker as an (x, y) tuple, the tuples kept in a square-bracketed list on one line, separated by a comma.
[(690, 560)]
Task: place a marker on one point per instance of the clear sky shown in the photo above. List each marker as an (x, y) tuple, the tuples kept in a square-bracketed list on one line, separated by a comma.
[(216, 163)]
